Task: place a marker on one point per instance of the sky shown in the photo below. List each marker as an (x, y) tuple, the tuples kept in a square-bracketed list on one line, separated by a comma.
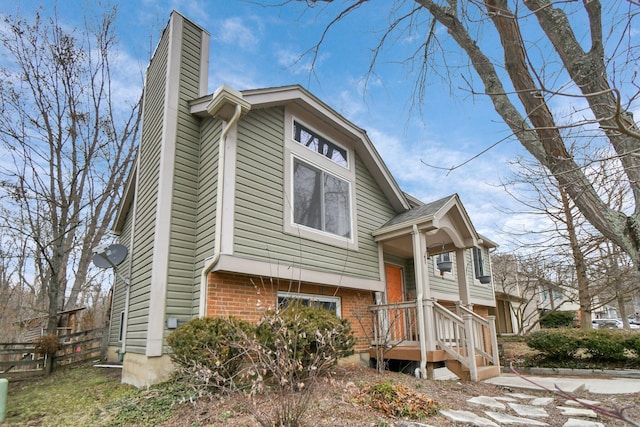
[(253, 46)]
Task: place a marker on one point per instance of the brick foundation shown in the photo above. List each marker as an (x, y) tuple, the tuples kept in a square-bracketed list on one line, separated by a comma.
[(248, 297)]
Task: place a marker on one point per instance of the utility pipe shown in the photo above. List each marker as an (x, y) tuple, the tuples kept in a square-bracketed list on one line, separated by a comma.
[(217, 243)]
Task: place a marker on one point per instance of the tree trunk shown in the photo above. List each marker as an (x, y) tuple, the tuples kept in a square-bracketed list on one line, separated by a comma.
[(584, 296)]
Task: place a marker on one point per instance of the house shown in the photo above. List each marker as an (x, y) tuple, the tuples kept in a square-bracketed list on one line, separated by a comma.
[(242, 200), (517, 297), (69, 322)]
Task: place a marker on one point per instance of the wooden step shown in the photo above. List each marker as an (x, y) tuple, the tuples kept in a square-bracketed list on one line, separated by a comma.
[(486, 372), (462, 371)]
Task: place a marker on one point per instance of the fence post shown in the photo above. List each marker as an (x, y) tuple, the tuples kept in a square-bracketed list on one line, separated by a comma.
[(4, 389)]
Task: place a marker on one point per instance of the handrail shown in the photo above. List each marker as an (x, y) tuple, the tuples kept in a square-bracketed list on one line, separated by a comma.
[(450, 332), (381, 307), (476, 316), (488, 350), (464, 335)]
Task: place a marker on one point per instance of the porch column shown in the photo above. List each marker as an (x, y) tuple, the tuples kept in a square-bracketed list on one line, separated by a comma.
[(461, 269), (429, 317), (418, 264)]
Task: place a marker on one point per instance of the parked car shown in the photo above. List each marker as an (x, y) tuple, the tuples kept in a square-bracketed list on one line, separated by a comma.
[(612, 324), (607, 324)]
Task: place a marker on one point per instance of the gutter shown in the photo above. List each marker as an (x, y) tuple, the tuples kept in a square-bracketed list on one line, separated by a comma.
[(223, 101)]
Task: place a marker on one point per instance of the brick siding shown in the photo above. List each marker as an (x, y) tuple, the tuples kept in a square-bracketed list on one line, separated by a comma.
[(248, 297)]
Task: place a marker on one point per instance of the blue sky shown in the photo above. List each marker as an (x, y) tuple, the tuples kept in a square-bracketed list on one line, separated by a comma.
[(254, 46)]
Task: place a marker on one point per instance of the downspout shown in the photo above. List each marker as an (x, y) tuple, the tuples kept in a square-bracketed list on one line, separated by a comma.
[(218, 226), (422, 330)]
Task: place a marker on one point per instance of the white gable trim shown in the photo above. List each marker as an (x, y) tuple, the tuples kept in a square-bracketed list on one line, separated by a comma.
[(161, 243)]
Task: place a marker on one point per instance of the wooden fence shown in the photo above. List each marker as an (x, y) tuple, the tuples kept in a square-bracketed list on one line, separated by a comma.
[(21, 360)]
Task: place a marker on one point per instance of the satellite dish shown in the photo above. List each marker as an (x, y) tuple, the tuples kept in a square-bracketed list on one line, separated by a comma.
[(110, 256)]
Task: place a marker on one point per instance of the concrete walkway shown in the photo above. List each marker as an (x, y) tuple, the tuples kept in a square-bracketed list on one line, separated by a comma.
[(569, 384), (520, 408)]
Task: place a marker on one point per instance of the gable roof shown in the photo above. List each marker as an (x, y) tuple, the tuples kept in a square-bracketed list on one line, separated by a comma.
[(445, 220), (302, 98), (416, 213)]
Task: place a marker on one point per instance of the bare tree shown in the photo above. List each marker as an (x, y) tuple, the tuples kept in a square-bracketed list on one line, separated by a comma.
[(549, 51), (67, 143)]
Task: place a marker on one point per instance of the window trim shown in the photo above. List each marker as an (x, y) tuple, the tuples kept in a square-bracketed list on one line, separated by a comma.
[(313, 297), (478, 261), (294, 150), (479, 269), (320, 134)]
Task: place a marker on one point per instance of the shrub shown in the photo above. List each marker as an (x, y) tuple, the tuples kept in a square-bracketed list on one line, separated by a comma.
[(311, 333), (47, 344), (554, 343), (206, 348), (599, 345), (603, 345), (633, 343), (557, 319)]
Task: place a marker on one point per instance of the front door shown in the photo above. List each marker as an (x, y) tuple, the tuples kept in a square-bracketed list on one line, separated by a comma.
[(395, 295)]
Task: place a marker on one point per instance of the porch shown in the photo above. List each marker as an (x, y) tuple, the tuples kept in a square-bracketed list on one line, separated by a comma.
[(432, 256), (460, 339)]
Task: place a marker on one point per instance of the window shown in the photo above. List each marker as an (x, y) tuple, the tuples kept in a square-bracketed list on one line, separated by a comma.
[(121, 330), (317, 143), (308, 300), (477, 262), (320, 200), (319, 185)]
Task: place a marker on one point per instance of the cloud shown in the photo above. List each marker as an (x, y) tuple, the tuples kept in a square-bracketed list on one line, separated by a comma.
[(234, 31), (295, 62)]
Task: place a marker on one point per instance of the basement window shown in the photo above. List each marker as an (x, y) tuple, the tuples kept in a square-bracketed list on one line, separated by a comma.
[(329, 303)]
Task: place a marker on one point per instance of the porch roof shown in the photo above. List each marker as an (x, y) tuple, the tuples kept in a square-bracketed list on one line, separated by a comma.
[(445, 221)]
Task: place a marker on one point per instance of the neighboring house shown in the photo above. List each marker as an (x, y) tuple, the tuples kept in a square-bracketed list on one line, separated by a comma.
[(69, 322), (559, 298), (516, 297), (240, 201)]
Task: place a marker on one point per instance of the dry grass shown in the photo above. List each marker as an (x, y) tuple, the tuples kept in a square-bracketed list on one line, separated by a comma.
[(345, 399), (88, 396)]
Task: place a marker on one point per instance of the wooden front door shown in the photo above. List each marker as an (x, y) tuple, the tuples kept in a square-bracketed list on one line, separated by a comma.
[(395, 294)]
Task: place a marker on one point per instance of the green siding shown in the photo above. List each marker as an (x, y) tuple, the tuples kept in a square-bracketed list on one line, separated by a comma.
[(478, 290), (450, 287), (259, 215), (443, 285), (206, 203), (146, 198), (184, 206), (119, 291)]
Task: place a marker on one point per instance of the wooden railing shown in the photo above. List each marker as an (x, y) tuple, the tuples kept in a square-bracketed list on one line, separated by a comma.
[(485, 338), (19, 360), (451, 335), (394, 324), (463, 335)]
